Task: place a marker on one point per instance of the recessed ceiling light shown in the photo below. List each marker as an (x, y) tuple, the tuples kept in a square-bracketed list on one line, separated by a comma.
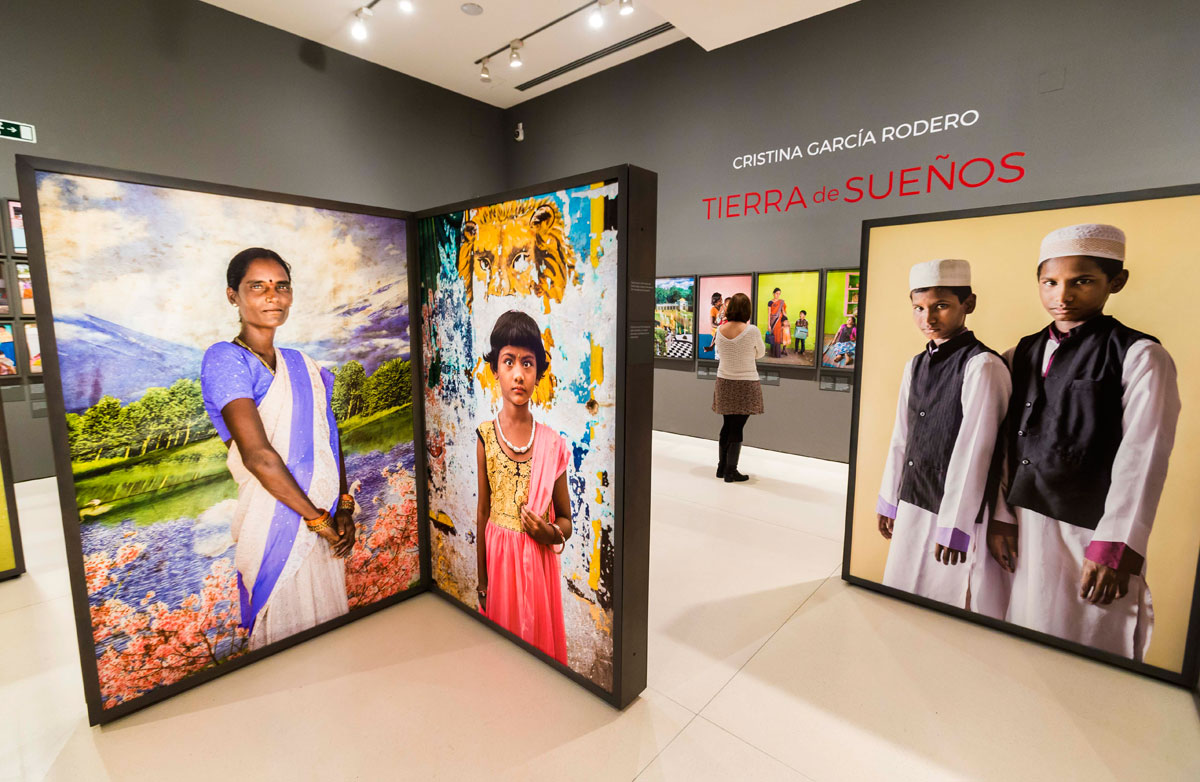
[(626, 7), (406, 6), (471, 9)]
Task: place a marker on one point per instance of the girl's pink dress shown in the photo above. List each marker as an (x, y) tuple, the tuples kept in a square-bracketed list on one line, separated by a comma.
[(524, 581)]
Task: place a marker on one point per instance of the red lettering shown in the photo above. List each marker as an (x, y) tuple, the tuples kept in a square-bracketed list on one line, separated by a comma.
[(871, 186), (778, 200), (850, 186), (795, 198), (819, 196), (1005, 164), (933, 170), (754, 206), (729, 205), (962, 172), (904, 181), (708, 201), (833, 195), (720, 206)]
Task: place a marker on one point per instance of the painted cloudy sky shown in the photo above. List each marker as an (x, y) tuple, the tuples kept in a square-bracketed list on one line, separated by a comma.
[(152, 260)]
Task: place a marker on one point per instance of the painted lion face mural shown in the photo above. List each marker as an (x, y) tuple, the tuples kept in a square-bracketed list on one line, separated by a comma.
[(516, 249)]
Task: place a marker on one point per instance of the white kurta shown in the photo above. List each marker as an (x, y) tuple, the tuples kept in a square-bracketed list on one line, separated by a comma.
[(911, 566), (1050, 553)]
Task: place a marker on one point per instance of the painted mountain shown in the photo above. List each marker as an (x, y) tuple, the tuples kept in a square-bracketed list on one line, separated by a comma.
[(100, 357)]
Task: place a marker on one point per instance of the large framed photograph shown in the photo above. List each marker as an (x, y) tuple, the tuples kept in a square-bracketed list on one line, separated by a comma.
[(201, 342), (675, 318), (1024, 432), (787, 315), (538, 474), (712, 301), (839, 321)]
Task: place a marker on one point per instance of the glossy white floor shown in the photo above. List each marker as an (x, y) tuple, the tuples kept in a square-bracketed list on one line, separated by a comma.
[(763, 665)]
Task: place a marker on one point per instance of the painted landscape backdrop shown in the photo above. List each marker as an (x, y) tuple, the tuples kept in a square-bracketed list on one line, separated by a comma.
[(137, 286)]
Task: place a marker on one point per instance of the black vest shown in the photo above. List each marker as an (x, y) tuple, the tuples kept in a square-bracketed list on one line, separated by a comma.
[(1064, 430), (934, 417)]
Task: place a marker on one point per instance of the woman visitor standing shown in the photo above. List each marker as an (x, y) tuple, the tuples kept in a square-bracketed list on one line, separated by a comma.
[(737, 395)]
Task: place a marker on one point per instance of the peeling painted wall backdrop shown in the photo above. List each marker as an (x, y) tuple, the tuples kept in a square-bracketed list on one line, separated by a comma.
[(553, 257)]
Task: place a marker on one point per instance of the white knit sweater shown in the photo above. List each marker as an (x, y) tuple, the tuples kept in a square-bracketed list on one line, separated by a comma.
[(738, 356)]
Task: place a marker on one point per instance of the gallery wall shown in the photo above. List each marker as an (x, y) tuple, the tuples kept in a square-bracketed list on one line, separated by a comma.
[(181, 88), (1092, 92)]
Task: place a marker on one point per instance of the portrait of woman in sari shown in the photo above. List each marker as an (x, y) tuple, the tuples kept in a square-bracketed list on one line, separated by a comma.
[(776, 311), (271, 406)]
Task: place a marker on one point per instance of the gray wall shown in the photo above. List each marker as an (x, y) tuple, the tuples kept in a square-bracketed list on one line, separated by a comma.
[(181, 88), (1125, 118)]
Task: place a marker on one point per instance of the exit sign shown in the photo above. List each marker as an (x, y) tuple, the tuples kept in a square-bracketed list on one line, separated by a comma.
[(18, 131)]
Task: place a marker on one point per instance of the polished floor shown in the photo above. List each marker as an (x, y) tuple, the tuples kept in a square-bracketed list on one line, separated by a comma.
[(764, 665)]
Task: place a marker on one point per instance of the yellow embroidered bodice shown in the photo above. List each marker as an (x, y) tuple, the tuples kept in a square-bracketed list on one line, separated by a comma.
[(508, 479)]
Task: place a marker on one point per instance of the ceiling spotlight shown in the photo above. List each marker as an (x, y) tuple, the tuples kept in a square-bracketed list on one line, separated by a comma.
[(484, 74), (406, 6), (359, 28), (514, 53), (596, 18), (626, 7), (471, 9)]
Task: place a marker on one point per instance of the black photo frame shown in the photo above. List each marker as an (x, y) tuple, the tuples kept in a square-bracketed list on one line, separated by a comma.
[(673, 362), (1189, 672), (636, 230), (27, 169), (793, 371)]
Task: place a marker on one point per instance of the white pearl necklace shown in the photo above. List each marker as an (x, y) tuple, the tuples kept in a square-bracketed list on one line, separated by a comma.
[(513, 448)]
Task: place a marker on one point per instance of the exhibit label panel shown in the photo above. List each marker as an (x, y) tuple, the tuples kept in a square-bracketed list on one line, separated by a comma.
[(183, 565), (1035, 470)]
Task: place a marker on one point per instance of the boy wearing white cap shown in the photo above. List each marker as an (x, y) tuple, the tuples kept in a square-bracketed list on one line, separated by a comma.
[(940, 466), (1090, 430)]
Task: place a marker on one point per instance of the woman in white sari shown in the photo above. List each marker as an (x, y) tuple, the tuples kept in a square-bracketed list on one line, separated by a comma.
[(294, 520)]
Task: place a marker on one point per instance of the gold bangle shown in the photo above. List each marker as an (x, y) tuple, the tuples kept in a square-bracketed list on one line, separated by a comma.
[(319, 523), (346, 502)]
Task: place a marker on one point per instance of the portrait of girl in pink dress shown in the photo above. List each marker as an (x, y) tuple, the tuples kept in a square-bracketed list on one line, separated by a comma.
[(524, 512)]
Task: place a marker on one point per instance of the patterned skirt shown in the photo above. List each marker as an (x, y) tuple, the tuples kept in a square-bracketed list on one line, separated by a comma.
[(737, 397)]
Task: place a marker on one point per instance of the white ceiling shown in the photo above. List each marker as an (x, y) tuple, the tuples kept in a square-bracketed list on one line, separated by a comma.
[(439, 44)]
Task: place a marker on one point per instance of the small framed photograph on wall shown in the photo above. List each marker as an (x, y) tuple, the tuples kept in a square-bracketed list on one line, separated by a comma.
[(25, 288), (16, 227), (839, 324), (34, 348), (675, 318), (788, 306), (8, 353), (714, 297)]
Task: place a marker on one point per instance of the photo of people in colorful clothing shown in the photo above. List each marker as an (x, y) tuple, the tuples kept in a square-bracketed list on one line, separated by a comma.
[(841, 319), (1026, 452), (787, 313)]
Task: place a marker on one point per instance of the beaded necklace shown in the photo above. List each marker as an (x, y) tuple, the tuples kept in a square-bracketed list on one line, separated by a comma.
[(515, 449)]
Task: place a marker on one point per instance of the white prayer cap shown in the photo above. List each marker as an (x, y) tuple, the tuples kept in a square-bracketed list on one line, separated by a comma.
[(1095, 239), (942, 273)]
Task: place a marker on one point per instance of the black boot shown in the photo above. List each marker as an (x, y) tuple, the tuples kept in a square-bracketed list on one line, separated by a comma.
[(722, 449), (731, 463)]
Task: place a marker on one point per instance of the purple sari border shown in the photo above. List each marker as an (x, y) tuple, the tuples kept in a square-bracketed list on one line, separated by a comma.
[(286, 522)]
